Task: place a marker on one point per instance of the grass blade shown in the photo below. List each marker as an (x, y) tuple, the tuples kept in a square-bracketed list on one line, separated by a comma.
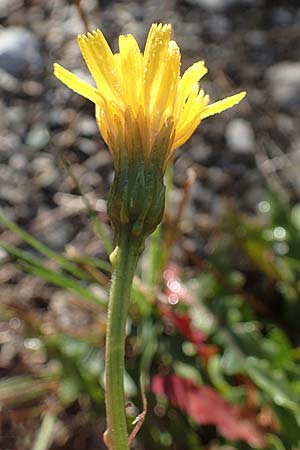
[(45, 435), (43, 249), (35, 267)]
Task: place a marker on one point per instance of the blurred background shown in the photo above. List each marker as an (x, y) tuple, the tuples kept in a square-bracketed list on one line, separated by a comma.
[(217, 343)]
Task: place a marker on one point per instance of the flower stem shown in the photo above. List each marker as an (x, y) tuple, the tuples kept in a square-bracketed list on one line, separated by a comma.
[(124, 263)]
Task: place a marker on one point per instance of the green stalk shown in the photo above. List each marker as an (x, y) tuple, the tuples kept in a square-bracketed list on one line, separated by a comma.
[(126, 258)]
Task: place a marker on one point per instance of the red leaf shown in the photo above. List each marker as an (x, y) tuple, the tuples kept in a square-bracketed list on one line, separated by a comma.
[(183, 324), (207, 407)]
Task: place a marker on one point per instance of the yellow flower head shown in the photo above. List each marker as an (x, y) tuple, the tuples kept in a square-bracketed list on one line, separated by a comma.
[(142, 102), (145, 110)]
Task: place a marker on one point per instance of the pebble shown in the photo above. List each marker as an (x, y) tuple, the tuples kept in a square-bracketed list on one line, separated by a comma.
[(68, 314), (281, 17), (38, 137), (88, 146), (10, 144), (254, 195), (201, 196), (220, 5), (101, 161), (18, 161), (19, 53), (210, 5), (239, 136), (87, 127), (218, 26), (199, 151), (57, 235), (15, 188), (45, 171), (32, 88), (15, 116), (8, 83), (8, 6), (218, 179), (284, 84)]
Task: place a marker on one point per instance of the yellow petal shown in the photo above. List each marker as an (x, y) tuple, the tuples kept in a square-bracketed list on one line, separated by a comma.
[(101, 64), (131, 61), (192, 117), (186, 132), (156, 50), (222, 105), (191, 76), (107, 62), (101, 122), (117, 60), (191, 107), (77, 85), (115, 120), (165, 92)]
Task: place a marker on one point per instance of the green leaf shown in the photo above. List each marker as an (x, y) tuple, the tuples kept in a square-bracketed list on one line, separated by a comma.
[(215, 372), (232, 360), (274, 443), (295, 216), (69, 389), (188, 371), (273, 383), (263, 257), (143, 304)]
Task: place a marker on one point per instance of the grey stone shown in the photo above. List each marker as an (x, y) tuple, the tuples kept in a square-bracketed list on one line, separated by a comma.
[(220, 5), (284, 84), (19, 52), (281, 17), (45, 171), (10, 144), (8, 6), (239, 136), (254, 195), (200, 195), (102, 160), (87, 127), (8, 83), (57, 235), (210, 5), (32, 88), (38, 137), (199, 151), (218, 179), (15, 187), (18, 161), (88, 146)]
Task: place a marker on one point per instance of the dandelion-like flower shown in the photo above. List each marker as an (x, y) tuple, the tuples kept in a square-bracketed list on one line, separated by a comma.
[(145, 110)]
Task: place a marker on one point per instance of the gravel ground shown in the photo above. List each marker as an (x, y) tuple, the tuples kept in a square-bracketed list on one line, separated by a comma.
[(248, 45)]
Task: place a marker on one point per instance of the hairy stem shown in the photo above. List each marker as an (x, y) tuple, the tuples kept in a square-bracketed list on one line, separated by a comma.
[(125, 261)]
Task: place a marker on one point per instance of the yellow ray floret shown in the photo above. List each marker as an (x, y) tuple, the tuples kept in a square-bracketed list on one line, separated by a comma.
[(137, 94)]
